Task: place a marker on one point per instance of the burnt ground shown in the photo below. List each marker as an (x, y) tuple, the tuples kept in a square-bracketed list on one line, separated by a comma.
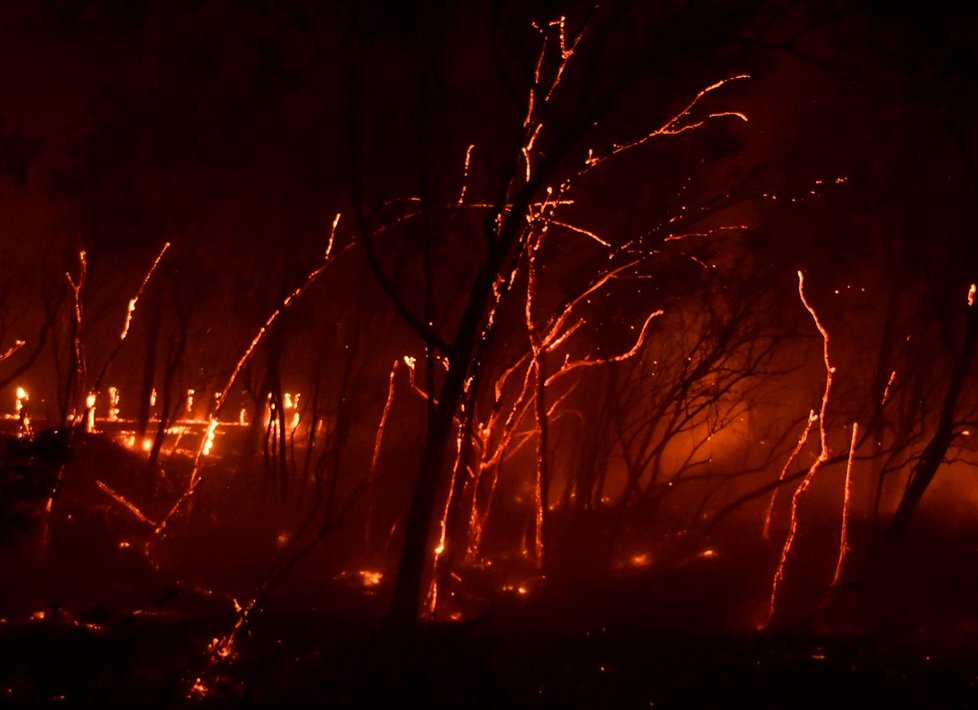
[(90, 620)]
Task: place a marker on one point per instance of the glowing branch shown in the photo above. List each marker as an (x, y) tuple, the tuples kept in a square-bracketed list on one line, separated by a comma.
[(18, 344), (823, 453), (465, 174), (195, 475), (844, 528), (125, 503), (886, 390), (675, 126), (129, 314), (580, 230)]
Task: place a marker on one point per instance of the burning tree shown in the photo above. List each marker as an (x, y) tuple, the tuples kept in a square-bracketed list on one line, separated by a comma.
[(517, 221)]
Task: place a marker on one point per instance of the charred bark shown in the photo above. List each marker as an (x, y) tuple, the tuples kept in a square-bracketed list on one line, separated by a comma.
[(936, 450)]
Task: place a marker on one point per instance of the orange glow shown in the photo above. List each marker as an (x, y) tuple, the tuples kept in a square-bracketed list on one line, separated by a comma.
[(79, 313), (199, 689), (889, 384), (113, 404), (971, 294), (90, 413), (643, 559)]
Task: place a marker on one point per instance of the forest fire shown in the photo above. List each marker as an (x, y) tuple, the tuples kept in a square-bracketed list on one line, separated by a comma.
[(475, 356)]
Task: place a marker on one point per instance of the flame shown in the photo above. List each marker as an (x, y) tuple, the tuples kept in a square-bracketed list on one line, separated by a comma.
[(370, 578), (124, 502), (971, 294), (18, 344), (465, 174), (209, 437), (135, 299), (643, 559)]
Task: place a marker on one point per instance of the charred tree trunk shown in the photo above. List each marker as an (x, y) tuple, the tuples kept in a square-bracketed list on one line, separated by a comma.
[(414, 554), (149, 368), (936, 449)]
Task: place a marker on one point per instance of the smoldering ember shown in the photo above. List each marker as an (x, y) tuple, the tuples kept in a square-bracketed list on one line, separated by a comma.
[(489, 354)]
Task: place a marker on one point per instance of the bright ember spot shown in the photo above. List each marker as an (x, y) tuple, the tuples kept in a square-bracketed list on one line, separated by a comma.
[(209, 437), (370, 578), (971, 294), (643, 559)]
